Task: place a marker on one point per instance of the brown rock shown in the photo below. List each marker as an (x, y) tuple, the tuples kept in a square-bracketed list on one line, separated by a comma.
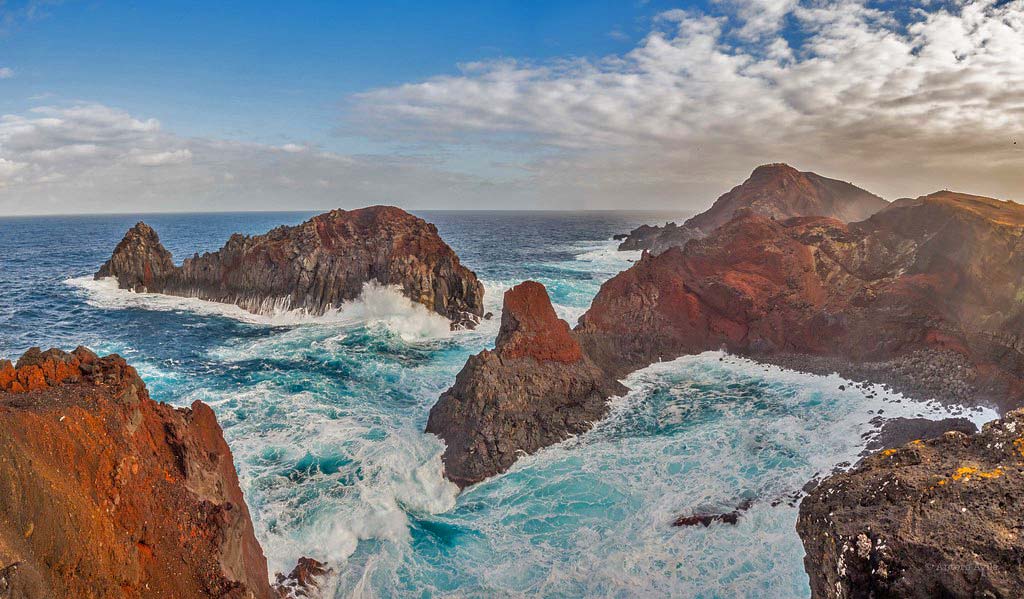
[(315, 266), (776, 191), (534, 389), (935, 518), (110, 494)]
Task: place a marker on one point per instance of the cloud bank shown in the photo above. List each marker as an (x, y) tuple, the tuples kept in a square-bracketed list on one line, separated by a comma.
[(902, 100)]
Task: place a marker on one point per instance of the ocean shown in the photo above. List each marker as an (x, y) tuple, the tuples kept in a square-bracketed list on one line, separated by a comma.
[(325, 418)]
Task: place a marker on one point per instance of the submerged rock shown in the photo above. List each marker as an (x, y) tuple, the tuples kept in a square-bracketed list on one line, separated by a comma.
[(535, 388), (110, 494), (315, 266), (933, 518), (776, 191)]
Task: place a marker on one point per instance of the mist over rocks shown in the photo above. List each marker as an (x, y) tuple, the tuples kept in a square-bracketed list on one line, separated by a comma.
[(777, 191), (314, 267), (111, 494), (932, 518), (534, 389)]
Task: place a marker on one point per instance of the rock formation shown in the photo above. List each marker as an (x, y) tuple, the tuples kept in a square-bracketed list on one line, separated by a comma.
[(534, 389), (927, 292), (314, 266), (936, 518), (935, 280), (107, 493), (777, 191)]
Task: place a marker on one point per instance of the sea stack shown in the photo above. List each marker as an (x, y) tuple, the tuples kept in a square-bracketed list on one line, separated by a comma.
[(776, 191), (534, 389), (108, 493), (934, 518), (315, 266)]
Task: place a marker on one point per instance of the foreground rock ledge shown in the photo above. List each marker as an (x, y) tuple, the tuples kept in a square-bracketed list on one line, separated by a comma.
[(107, 493), (315, 266), (937, 518), (534, 389)]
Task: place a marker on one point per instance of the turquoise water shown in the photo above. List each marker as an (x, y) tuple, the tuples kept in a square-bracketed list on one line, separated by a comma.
[(325, 419)]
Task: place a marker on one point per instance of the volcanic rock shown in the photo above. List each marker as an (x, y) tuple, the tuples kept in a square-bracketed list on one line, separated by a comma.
[(534, 389), (935, 280), (935, 518), (315, 266), (304, 581), (107, 493), (900, 431), (776, 191)]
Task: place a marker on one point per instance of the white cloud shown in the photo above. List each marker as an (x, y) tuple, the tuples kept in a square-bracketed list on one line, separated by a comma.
[(901, 107), (6, 72), (161, 158)]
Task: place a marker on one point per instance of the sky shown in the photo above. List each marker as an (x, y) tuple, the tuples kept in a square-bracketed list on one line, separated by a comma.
[(188, 106)]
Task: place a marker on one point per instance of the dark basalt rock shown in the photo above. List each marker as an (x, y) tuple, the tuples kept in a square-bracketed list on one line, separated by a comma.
[(934, 518), (705, 519), (900, 431), (776, 191), (534, 389), (109, 494), (315, 266), (304, 581)]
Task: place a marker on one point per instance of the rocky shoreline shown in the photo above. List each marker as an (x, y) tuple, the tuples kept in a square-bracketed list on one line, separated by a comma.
[(313, 267)]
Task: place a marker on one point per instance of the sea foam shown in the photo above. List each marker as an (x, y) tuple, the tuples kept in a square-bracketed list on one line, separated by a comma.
[(378, 305)]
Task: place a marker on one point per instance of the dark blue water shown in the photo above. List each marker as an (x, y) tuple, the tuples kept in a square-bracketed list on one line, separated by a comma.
[(325, 418)]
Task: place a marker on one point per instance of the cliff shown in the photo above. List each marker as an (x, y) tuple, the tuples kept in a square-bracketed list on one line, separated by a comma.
[(776, 191), (924, 296), (936, 518), (110, 494), (534, 389), (315, 266)]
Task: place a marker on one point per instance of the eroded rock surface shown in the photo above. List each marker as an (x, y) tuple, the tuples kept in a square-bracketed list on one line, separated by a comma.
[(106, 493), (934, 518), (776, 191), (535, 388), (925, 296), (315, 266)]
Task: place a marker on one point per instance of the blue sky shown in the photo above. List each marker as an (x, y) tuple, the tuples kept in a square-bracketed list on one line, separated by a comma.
[(277, 72), (630, 104)]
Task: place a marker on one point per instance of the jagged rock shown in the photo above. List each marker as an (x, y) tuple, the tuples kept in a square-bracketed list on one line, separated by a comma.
[(314, 266), (776, 191), (534, 389), (705, 519), (935, 280), (107, 493), (935, 518), (304, 581), (926, 293)]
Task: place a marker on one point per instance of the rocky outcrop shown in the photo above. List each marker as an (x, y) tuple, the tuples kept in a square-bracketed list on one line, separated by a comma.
[(937, 518), (107, 493), (934, 280), (926, 294), (305, 581), (534, 389), (315, 266), (776, 191)]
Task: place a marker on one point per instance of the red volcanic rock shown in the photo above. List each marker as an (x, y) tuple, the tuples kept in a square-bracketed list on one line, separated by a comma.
[(777, 191), (940, 273), (534, 389), (530, 327), (926, 296), (315, 266), (110, 494)]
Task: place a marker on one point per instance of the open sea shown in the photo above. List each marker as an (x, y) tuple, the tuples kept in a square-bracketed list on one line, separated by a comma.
[(325, 418)]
